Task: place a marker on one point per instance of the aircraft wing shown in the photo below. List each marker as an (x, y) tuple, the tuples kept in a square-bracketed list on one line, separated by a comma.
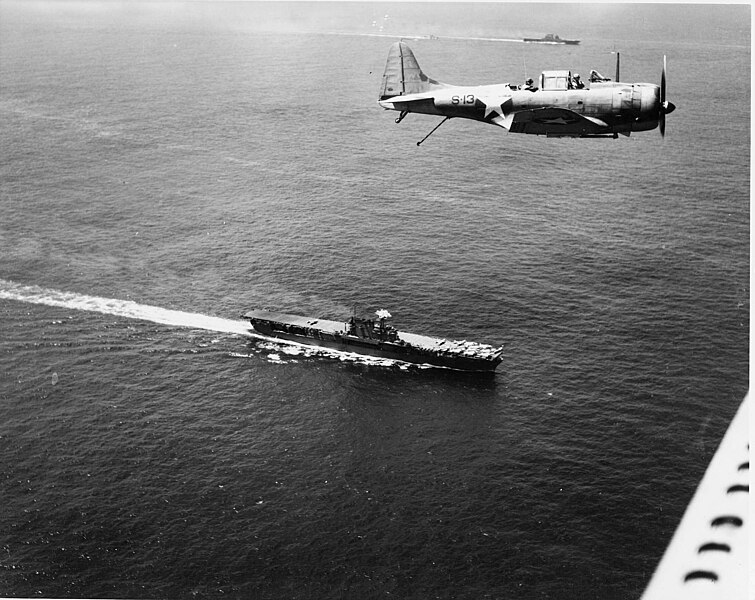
[(555, 121), (707, 558)]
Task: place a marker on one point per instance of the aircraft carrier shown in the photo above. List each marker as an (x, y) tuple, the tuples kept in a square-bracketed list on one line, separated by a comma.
[(375, 337), (551, 38)]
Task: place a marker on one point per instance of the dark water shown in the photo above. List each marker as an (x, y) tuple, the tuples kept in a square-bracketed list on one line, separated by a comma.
[(165, 167)]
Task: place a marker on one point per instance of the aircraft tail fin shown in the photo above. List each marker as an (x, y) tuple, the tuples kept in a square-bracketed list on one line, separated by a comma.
[(402, 74)]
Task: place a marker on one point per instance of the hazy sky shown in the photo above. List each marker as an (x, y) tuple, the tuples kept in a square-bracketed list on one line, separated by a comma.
[(596, 21)]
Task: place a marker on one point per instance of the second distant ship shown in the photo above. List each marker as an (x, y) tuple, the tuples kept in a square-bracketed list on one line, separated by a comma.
[(551, 38)]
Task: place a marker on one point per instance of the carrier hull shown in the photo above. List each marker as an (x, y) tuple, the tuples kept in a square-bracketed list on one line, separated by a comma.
[(405, 347)]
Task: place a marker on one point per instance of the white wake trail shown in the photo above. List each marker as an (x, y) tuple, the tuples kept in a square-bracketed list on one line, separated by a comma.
[(10, 290)]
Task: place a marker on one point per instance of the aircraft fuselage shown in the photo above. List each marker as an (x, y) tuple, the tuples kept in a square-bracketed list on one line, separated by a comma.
[(622, 108)]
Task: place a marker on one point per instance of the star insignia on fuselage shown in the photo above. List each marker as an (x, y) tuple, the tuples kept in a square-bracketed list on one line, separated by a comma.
[(493, 105)]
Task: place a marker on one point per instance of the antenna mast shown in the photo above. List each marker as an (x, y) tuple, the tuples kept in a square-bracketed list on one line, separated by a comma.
[(618, 61)]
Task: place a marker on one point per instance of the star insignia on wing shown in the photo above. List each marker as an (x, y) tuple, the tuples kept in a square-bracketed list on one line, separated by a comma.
[(556, 121)]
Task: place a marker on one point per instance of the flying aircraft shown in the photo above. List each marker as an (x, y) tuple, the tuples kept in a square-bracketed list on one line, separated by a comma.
[(561, 106)]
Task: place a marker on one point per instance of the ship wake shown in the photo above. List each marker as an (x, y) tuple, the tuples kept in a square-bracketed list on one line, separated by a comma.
[(281, 352), (33, 294), (274, 350)]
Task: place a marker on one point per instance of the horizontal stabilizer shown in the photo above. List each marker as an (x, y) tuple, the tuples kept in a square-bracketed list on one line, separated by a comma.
[(407, 100)]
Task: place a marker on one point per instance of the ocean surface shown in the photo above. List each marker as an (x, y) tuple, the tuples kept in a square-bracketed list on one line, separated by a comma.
[(166, 166)]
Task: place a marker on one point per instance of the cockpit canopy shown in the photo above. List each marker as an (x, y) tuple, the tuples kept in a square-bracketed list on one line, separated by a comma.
[(555, 80)]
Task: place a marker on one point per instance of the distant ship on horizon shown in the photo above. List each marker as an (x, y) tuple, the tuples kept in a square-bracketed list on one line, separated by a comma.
[(551, 38)]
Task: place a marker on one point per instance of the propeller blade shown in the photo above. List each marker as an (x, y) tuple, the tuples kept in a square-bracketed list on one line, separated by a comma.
[(663, 82), (662, 105)]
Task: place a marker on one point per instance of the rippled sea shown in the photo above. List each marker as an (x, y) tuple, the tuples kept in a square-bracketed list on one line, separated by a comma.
[(166, 166)]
